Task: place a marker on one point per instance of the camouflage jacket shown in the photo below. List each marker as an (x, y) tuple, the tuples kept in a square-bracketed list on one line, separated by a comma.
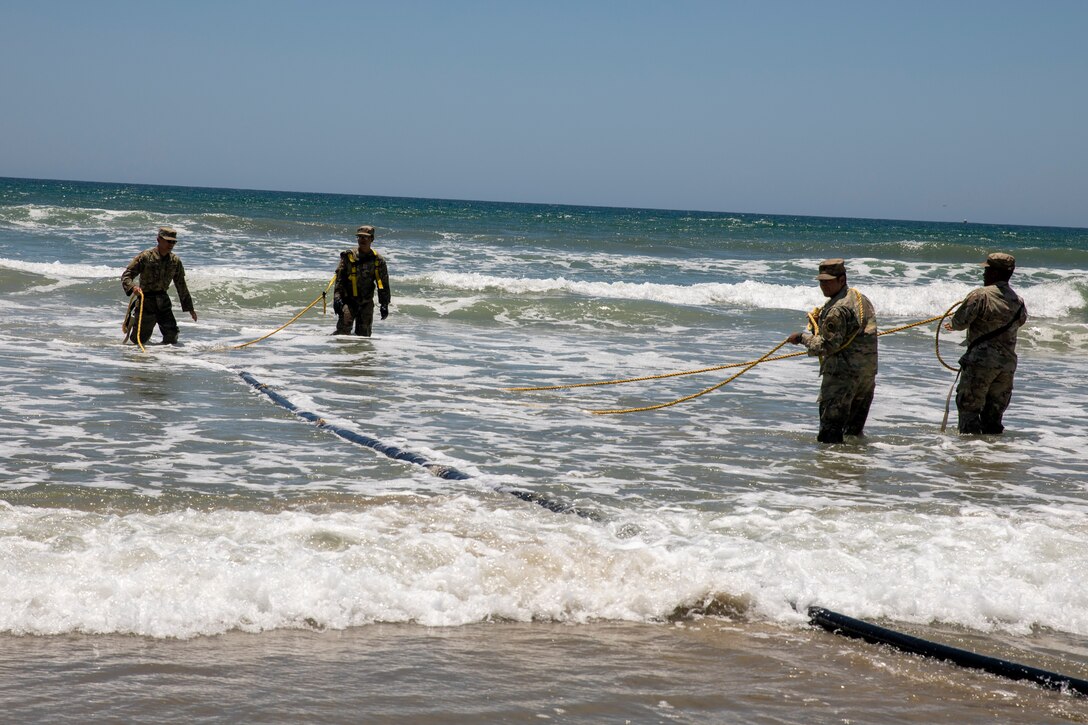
[(156, 273), (987, 309), (356, 277), (843, 315)]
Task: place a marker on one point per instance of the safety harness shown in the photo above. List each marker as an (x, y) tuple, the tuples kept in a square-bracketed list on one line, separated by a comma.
[(353, 272)]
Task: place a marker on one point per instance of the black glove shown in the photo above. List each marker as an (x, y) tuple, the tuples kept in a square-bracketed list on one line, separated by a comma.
[(384, 310), (337, 306)]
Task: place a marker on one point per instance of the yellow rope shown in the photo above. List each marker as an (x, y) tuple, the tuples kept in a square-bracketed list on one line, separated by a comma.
[(305, 309), (937, 338), (139, 320), (652, 377), (661, 376), (686, 398), (746, 365)]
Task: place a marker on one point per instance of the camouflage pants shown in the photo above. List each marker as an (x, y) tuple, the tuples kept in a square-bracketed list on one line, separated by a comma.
[(359, 312), (844, 405), (157, 310), (982, 396)]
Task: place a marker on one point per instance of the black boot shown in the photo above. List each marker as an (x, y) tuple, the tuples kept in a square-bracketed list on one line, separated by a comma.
[(829, 435), (970, 423)]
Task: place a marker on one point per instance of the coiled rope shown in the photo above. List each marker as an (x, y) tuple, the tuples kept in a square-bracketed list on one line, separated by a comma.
[(125, 326), (957, 370)]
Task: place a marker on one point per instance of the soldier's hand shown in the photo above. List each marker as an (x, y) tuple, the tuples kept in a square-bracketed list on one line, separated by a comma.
[(948, 326), (794, 339), (192, 313), (384, 310)]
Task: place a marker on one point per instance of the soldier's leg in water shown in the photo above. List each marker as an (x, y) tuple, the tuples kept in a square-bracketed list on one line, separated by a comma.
[(364, 322), (344, 319), (167, 324), (834, 409), (859, 407), (146, 325), (997, 400), (971, 397)]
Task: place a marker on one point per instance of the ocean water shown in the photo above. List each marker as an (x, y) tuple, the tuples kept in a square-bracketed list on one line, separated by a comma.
[(175, 544)]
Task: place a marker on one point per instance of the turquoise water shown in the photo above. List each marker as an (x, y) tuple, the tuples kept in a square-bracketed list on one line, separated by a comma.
[(158, 495)]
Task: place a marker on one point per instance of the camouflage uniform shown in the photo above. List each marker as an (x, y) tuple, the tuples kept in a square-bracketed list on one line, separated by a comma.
[(987, 367), (356, 279), (156, 272), (849, 373)]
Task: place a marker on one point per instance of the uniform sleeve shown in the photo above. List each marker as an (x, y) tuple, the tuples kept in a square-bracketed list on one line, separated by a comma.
[(967, 312), (385, 294), (128, 277), (341, 279), (183, 289)]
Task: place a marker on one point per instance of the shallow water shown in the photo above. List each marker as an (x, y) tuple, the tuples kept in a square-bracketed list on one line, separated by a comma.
[(157, 507)]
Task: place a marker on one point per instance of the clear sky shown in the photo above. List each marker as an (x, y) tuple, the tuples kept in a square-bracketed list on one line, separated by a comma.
[(915, 109)]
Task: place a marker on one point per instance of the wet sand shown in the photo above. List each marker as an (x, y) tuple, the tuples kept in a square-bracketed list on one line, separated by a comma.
[(693, 672)]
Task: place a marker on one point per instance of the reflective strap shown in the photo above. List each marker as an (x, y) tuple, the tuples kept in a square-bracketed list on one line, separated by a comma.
[(353, 274)]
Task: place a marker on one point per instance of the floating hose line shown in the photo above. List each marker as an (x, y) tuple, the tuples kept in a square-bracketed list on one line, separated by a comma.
[(398, 454), (858, 629)]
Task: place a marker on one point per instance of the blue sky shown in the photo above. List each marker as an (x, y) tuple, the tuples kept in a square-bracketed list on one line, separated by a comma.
[(938, 110)]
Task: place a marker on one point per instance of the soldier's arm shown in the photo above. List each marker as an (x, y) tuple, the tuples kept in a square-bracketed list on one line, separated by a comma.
[(128, 277), (385, 294), (967, 312), (341, 278), (183, 290), (833, 332)]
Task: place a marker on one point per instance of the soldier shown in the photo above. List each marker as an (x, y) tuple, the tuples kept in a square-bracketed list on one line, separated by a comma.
[(991, 314), (359, 272), (844, 339), (157, 268)]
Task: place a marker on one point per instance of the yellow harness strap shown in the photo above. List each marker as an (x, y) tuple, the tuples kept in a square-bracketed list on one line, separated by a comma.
[(353, 273)]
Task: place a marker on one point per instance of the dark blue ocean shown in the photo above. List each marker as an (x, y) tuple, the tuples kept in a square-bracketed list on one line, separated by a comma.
[(176, 543)]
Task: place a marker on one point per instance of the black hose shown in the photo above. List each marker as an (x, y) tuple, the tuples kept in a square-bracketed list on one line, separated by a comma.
[(399, 454), (856, 628)]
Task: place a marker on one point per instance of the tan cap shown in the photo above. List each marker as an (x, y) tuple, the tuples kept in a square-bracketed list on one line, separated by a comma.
[(365, 231), (168, 234), (831, 269), (999, 260)]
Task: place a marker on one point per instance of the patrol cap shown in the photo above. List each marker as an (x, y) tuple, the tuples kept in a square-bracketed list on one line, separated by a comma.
[(365, 231), (1000, 261), (831, 269), (168, 234)]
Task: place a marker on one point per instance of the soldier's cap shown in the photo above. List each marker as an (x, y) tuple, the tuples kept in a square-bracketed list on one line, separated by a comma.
[(168, 234), (365, 231), (831, 269), (1001, 261)]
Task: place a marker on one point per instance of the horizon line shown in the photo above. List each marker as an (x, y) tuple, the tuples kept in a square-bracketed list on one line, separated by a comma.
[(541, 203)]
